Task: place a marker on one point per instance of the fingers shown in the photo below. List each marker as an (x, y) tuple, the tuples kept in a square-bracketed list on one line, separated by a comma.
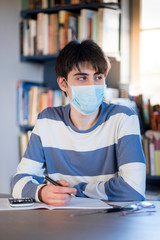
[(63, 183), (57, 195), (57, 202), (63, 190)]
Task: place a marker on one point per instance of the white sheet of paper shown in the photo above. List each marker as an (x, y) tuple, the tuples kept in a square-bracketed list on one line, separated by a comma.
[(75, 203)]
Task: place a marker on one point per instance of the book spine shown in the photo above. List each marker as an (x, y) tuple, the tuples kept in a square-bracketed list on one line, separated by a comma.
[(157, 162), (24, 5), (152, 158)]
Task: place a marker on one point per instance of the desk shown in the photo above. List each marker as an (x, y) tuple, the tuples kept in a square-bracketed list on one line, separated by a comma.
[(59, 225)]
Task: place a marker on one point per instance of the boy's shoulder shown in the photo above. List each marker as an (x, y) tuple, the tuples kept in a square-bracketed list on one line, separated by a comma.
[(54, 113), (112, 109)]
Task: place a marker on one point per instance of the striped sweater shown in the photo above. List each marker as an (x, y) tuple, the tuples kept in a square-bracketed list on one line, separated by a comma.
[(105, 161)]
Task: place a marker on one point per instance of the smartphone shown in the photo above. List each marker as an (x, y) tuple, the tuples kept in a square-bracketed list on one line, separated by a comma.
[(21, 202)]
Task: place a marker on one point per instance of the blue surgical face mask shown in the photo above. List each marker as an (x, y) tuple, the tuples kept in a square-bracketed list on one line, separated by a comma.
[(87, 99)]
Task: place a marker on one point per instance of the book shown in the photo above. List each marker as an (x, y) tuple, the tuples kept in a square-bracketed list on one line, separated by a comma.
[(53, 33), (40, 32), (32, 36), (66, 26), (23, 142), (25, 37), (50, 98), (33, 105), (75, 203), (45, 3), (21, 37), (108, 31), (24, 5), (45, 34), (72, 28), (145, 143), (37, 4), (85, 24), (31, 4), (152, 158), (154, 151), (51, 3), (157, 162), (145, 110), (43, 101), (95, 27)]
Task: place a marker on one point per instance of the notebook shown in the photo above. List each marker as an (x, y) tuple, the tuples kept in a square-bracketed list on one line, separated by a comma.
[(75, 203)]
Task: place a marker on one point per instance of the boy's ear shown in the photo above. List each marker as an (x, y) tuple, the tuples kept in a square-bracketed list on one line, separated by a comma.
[(62, 84)]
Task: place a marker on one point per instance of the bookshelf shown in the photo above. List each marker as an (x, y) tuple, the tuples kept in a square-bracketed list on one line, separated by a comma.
[(38, 58), (153, 179), (92, 6), (46, 25), (48, 59)]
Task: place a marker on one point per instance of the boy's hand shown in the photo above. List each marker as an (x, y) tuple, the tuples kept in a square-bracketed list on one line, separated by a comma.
[(56, 195)]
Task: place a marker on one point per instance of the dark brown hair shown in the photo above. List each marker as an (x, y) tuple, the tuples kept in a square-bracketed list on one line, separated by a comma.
[(76, 53)]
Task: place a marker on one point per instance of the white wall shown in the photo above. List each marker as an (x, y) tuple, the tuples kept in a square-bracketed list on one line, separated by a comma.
[(11, 70)]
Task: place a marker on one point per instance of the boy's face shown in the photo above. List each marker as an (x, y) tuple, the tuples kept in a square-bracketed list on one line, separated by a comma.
[(86, 76)]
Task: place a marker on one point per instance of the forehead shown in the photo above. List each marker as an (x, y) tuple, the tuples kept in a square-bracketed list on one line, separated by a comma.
[(83, 67)]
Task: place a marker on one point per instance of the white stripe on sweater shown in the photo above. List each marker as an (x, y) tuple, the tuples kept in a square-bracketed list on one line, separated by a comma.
[(53, 133)]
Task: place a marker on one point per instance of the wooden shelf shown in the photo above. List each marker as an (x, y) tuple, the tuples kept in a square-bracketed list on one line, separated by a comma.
[(38, 58), (92, 6), (25, 128), (152, 180)]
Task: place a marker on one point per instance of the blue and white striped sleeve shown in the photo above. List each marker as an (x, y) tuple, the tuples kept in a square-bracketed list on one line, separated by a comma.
[(29, 177), (128, 184)]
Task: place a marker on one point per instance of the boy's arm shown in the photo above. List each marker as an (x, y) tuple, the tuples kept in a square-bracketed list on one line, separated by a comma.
[(128, 184), (29, 177), (117, 188)]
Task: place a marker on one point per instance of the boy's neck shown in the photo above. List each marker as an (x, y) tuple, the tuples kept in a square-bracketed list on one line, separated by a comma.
[(83, 122)]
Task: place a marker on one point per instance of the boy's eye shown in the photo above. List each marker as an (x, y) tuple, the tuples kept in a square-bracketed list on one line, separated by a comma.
[(99, 77), (82, 78)]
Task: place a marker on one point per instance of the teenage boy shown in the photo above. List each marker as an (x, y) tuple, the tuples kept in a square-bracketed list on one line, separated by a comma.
[(92, 148)]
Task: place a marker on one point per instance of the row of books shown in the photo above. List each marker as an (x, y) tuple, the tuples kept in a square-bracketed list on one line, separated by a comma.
[(49, 33), (40, 4), (151, 146), (149, 115), (33, 98)]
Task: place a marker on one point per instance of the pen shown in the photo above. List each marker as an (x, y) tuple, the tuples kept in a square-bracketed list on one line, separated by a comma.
[(109, 210), (56, 183)]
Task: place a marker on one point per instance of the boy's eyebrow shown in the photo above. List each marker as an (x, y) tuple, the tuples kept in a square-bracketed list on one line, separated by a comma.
[(80, 73)]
